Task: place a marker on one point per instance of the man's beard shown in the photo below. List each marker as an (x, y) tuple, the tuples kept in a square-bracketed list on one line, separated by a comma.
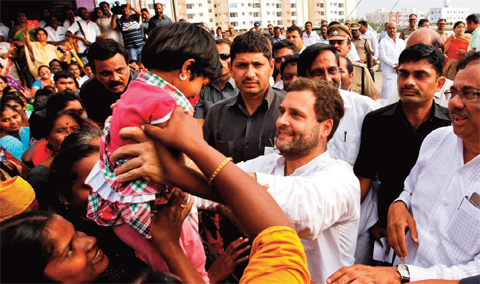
[(301, 145)]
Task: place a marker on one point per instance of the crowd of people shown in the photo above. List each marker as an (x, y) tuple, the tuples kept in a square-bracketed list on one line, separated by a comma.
[(137, 149)]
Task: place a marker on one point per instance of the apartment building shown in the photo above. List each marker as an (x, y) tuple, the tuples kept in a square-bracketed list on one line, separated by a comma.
[(400, 17), (451, 14)]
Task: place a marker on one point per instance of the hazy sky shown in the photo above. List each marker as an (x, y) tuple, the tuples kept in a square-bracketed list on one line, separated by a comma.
[(369, 6)]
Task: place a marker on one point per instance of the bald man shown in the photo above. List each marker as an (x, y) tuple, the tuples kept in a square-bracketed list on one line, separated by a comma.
[(429, 37)]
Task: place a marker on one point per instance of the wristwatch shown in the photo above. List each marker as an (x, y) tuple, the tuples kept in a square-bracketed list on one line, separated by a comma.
[(402, 269)]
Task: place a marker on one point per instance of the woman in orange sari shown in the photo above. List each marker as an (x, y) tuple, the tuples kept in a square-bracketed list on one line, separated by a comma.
[(455, 48)]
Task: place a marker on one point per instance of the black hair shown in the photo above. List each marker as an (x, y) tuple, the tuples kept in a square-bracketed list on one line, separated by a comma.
[(218, 28), (251, 41), (24, 235), (363, 23), (308, 22), (471, 58), (270, 38), (40, 29), (59, 101), (155, 277), (63, 74), (4, 107), (12, 97), (333, 23), (144, 10), (62, 175), (104, 49), (276, 28), (421, 51), (45, 91), (223, 41), (37, 122), (295, 28), (101, 3), (310, 53), (324, 26), (40, 67), (289, 59), (349, 64), (53, 60), (282, 44), (472, 18), (51, 118), (169, 46), (422, 21), (458, 23)]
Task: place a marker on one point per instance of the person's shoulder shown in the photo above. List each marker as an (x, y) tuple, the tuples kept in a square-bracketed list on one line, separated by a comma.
[(279, 92), (217, 107), (357, 99)]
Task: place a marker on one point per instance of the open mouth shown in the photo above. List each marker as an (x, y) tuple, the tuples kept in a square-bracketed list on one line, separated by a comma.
[(98, 256), (460, 117)]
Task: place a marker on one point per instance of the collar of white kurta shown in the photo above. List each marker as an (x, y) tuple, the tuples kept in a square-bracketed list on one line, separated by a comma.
[(320, 160), (155, 80)]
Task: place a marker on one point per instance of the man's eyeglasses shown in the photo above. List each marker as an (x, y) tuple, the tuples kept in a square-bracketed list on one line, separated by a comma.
[(468, 95), (224, 56)]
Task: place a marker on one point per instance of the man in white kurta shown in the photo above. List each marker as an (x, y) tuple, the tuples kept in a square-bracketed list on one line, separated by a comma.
[(320, 195), (389, 50), (440, 204)]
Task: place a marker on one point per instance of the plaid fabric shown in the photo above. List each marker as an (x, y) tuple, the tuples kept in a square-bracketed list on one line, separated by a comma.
[(152, 79), (137, 215)]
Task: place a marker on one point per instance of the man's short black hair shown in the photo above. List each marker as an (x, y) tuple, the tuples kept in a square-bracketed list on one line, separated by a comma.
[(169, 46), (421, 51), (363, 23), (251, 41), (276, 28), (310, 53), (289, 59), (104, 49), (295, 28), (269, 37), (284, 44), (104, 2), (59, 101), (144, 10), (308, 22), (333, 23), (422, 21), (472, 18), (471, 58), (63, 74)]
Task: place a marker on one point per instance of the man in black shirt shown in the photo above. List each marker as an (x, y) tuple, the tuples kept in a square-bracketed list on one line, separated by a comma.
[(109, 61), (392, 136)]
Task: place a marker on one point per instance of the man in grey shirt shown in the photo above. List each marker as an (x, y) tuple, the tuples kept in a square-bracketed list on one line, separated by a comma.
[(159, 18), (225, 87), (243, 127)]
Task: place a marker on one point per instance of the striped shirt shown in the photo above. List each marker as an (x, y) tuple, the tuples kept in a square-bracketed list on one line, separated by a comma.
[(131, 32)]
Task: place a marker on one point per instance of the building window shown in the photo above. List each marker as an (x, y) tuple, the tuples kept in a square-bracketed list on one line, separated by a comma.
[(321, 5), (214, 5), (209, 1), (225, 5), (209, 10), (293, 22), (199, 4), (294, 14), (233, 15), (190, 16), (340, 5), (232, 5), (243, 14), (279, 22), (268, 4), (211, 20), (216, 15), (200, 15), (294, 5), (256, 14), (279, 6), (279, 14), (189, 6), (235, 24)]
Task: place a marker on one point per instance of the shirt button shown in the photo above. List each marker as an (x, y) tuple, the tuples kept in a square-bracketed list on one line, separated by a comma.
[(247, 145), (250, 120), (431, 232), (445, 203), (460, 172)]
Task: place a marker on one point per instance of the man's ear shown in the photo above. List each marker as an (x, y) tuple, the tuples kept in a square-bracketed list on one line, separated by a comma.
[(440, 82)]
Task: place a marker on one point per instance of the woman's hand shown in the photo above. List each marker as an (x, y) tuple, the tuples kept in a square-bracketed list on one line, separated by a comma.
[(167, 223), (226, 263)]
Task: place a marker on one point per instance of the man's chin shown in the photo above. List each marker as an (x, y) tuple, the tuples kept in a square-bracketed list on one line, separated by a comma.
[(117, 89)]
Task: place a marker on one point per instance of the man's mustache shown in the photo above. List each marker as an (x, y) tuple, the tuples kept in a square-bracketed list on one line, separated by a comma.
[(113, 84)]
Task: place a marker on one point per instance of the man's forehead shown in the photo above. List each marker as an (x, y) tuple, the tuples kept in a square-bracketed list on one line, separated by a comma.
[(327, 57), (250, 57), (468, 78), (283, 51), (416, 66)]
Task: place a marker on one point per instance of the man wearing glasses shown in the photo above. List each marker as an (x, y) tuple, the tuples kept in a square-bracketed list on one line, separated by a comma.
[(391, 136), (225, 87), (412, 21), (440, 203)]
